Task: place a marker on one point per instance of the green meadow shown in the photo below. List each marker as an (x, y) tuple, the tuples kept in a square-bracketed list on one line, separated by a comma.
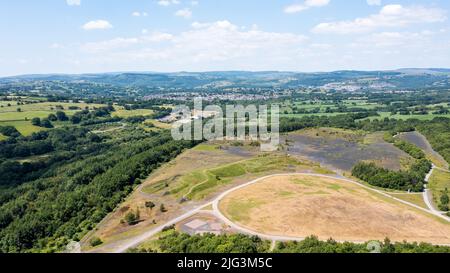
[(20, 116)]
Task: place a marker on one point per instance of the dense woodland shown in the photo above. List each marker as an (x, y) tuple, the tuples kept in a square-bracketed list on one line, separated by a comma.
[(46, 203), (437, 132), (313, 245), (411, 180)]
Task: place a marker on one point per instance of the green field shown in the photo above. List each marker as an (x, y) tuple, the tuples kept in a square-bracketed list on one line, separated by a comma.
[(406, 117), (198, 184), (40, 110), (308, 105), (381, 116), (206, 147), (158, 124), (9, 116), (308, 115), (287, 109), (132, 113), (24, 127)]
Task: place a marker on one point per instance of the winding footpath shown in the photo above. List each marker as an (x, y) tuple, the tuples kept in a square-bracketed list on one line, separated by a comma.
[(123, 246)]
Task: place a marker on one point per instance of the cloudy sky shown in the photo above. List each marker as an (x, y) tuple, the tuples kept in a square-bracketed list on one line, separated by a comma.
[(80, 36)]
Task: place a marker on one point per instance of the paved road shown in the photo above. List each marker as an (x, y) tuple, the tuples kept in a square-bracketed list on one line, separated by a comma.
[(122, 246), (428, 195)]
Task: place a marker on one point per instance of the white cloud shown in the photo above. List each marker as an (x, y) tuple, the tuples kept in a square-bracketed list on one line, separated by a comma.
[(316, 3), (195, 3), (374, 2), (295, 8), (185, 13), (321, 46), (166, 3), (97, 24), (205, 44), (389, 16), (393, 39), (139, 14), (121, 43), (116, 43), (56, 46), (73, 2), (157, 37)]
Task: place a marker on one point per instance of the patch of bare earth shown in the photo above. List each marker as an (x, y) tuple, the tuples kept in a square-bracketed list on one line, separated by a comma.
[(301, 205), (341, 149)]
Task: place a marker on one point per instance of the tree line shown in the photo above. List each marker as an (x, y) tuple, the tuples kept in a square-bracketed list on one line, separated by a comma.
[(411, 180), (176, 242)]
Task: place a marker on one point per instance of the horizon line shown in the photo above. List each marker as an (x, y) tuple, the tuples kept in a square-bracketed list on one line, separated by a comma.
[(219, 71)]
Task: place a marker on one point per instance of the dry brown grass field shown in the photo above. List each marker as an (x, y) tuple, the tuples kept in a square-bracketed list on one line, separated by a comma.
[(302, 205)]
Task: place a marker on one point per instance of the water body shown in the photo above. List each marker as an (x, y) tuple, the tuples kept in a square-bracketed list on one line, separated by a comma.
[(342, 154)]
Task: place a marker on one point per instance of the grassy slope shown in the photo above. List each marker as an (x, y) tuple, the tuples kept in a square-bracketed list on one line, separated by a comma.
[(10, 117), (198, 184), (24, 127), (416, 199), (438, 182), (132, 113)]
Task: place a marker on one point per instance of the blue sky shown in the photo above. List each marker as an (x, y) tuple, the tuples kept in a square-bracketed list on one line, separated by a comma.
[(83, 36)]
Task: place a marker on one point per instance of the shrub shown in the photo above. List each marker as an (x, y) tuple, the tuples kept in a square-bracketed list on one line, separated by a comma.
[(52, 117), (36, 121), (95, 241), (61, 116), (46, 123), (132, 218), (149, 204)]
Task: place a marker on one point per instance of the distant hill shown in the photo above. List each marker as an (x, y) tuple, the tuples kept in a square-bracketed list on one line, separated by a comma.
[(401, 78), (431, 71)]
